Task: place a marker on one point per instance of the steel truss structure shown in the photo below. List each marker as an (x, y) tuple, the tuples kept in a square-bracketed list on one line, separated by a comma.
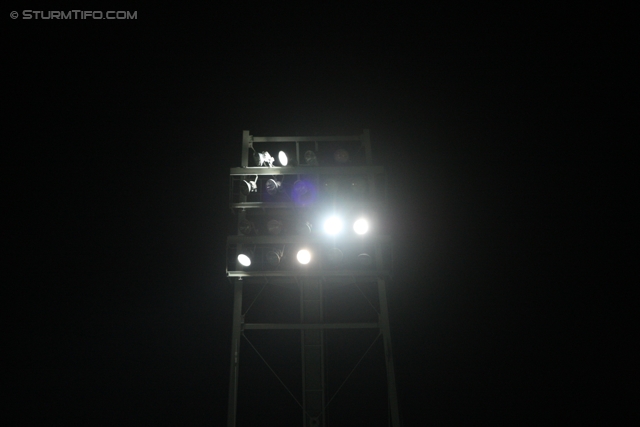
[(270, 222)]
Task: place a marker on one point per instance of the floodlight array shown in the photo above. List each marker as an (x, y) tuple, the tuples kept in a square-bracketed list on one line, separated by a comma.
[(269, 257)]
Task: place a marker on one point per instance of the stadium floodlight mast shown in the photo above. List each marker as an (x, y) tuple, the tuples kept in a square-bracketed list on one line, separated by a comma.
[(329, 222)]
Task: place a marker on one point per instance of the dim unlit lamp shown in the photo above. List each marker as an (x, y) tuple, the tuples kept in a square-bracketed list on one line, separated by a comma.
[(273, 257), (274, 226), (247, 187), (273, 187), (364, 259), (311, 158)]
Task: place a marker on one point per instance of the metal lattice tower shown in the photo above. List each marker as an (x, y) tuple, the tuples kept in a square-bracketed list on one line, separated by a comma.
[(279, 210)]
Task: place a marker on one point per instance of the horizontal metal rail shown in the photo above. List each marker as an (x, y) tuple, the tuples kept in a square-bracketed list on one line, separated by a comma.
[(292, 205), (311, 325), (310, 273), (307, 170), (305, 138), (305, 240)]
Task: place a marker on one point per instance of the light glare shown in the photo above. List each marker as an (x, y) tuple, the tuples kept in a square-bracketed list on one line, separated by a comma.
[(244, 260), (333, 225), (304, 256), (361, 226)]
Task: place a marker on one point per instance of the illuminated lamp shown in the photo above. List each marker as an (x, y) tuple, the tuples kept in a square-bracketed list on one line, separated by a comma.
[(341, 155), (364, 259), (274, 226), (361, 226), (311, 158), (282, 156), (273, 186), (334, 256), (263, 158), (333, 225), (304, 256), (244, 258)]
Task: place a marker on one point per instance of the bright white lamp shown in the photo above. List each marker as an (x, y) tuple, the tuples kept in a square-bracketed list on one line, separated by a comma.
[(333, 225), (282, 156), (361, 226), (244, 260), (304, 256)]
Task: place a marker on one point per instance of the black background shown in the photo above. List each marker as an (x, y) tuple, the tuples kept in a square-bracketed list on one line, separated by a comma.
[(495, 127)]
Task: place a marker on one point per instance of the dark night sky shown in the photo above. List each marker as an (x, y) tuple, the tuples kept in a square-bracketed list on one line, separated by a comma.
[(122, 136)]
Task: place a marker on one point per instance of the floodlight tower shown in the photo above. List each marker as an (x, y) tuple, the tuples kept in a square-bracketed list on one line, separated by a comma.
[(309, 214)]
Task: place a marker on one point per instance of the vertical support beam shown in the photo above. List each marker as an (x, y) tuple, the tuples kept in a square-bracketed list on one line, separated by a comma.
[(371, 182), (246, 142), (235, 352), (312, 353), (386, 335), (366, 143)]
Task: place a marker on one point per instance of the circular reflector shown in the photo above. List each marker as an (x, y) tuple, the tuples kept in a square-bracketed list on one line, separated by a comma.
[(300, 188), (274, 226), (282, 156), (272, 186), (245, 226), (333, 225), (341, 155), (364, 259), (244, 260), (361, 226), (245, 188), (303, 228), (304, 256), (310, 158), (273, 257)]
